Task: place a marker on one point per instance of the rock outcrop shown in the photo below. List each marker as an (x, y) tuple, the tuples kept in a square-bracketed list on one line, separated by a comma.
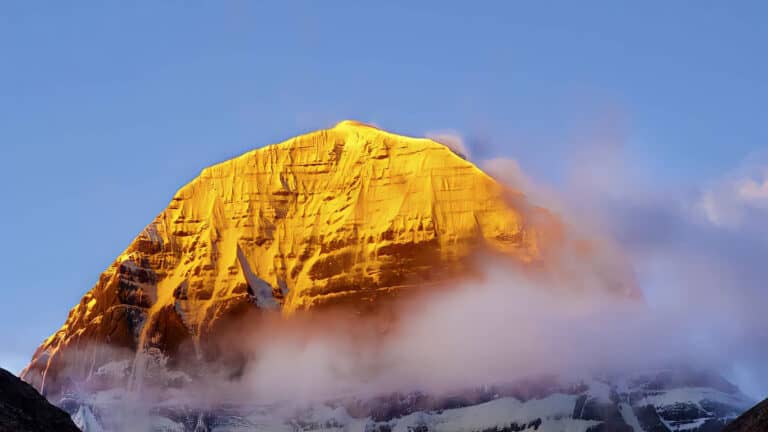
[(23, 409), (754, 420), (346, 216)]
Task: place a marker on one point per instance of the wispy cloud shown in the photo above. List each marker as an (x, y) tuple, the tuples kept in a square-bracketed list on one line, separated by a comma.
[(453, 140), (739, 198)]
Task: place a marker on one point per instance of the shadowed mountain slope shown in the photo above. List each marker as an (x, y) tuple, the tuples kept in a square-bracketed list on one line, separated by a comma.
[(23, 409), (754, 420)]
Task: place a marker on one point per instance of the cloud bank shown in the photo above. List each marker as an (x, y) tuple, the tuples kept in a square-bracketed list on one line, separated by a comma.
[(698, 254), (695, 255)]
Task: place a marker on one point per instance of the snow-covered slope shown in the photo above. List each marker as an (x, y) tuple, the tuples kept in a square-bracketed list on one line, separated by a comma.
[(656, 401)]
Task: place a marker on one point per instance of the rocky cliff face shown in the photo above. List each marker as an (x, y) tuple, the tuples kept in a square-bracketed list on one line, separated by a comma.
[(345, 216), (23, 409)]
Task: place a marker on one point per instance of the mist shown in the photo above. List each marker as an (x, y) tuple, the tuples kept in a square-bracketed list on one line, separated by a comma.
[(700, 303), (696, 255), (697, 252), (672, 277), (504, 327)]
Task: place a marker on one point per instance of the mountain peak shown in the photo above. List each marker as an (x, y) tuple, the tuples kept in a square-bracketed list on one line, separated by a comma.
[(354, 124), (323, 219)]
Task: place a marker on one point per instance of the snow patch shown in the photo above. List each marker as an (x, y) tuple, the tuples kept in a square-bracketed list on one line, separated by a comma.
[(553, 412), (164, 424), (260, 290), (628, 414), (86, 420), (694, 395), (117, 369)]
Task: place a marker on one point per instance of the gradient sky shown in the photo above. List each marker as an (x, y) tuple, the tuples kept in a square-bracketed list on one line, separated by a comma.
[(106, 108)]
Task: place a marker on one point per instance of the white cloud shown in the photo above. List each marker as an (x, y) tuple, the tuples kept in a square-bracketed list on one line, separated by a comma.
[(754, 192), (707, 282), (508, 171), (452, 140), (735, 200), (719, 209)]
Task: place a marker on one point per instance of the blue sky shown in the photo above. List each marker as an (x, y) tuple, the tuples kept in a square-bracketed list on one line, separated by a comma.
[(106, 108)]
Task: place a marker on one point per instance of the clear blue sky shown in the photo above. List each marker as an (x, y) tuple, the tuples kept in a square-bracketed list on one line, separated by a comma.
[(106, 108)]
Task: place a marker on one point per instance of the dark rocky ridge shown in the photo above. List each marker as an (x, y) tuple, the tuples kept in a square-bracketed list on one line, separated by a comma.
[(23, 409), (754, 420)]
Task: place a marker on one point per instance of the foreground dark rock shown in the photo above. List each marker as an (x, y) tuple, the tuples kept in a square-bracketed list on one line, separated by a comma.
[(23, 409), (754, 420)]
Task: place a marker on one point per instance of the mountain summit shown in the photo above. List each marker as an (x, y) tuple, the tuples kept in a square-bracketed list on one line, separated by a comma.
[(342, 216), (342, 224)]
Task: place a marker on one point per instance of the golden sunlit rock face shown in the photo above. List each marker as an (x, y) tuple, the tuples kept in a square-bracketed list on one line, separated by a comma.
[(346, 215)]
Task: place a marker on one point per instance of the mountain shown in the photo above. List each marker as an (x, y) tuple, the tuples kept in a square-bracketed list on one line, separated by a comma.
[(754, 420), (350, 216), (348, 223), (23, 409)]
